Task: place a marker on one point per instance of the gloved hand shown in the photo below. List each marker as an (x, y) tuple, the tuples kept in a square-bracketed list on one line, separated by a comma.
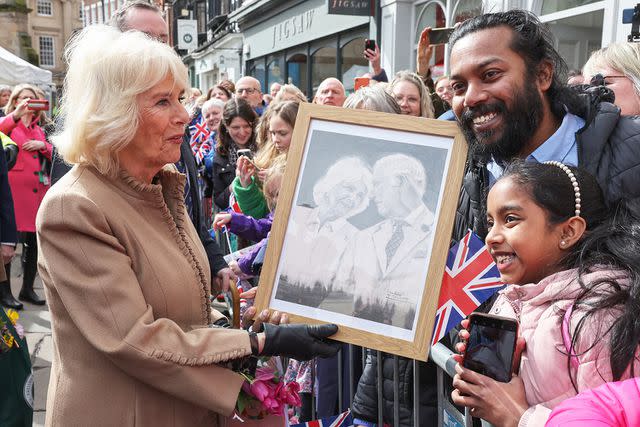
[(300, 342)]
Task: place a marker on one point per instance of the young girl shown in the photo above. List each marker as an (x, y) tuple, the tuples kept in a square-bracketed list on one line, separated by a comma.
[(574, 275), (255, 230), (246, 186)]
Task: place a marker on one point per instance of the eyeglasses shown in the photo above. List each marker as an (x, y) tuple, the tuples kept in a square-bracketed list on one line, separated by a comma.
[(600, 80), (248, 90)]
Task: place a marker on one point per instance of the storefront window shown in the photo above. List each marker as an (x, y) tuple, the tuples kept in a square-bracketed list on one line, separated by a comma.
[(259, 73), (323, 65), (297, 72), (275, 71), (467, 9), (354, 64), (551, 6), (578, 37)]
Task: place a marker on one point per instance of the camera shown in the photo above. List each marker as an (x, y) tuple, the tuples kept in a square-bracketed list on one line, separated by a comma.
[(632, 16)]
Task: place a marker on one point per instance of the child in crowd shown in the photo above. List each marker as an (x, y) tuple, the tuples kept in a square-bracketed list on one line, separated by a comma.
[(573, 274), (246, 186), (255, 230)]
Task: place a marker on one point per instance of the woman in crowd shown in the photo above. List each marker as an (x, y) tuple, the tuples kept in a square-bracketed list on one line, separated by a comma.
[(124, 271), (574, 274), (28, 178), (617, 66), (236, 131), (221, 91), (411, 94), (247, 185), (212, 114)]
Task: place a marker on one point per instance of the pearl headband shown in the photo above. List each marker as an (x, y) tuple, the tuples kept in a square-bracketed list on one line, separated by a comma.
[(574, 181)]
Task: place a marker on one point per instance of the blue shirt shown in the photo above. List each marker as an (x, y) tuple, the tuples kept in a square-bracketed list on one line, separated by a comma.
[(561, 147)]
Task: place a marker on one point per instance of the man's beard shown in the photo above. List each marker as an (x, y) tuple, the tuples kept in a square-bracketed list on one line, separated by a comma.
[(518, 125)]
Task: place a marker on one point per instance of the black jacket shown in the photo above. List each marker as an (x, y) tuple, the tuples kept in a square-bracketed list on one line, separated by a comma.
[(223, 175), (8, 233)]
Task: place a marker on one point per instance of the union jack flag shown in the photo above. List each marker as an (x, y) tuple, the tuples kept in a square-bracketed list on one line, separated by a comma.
[(470, 278), (342, 420), (198, 131)]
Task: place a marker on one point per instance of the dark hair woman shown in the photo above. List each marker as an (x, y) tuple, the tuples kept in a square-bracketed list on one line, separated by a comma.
[(236, 132)]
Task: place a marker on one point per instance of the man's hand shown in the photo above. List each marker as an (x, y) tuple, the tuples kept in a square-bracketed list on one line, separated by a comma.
[(223, 279), (425, 50), (374, 58), (8, 252), (233, 265)]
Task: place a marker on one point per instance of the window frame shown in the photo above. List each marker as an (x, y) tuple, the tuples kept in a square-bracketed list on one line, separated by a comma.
[(41, 39), (42, 4)]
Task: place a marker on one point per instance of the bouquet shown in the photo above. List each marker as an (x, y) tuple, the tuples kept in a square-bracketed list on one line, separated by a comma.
[(265, 392), (7, 340)]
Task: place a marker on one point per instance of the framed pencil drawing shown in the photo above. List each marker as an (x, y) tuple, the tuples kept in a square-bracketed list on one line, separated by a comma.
[(363, 225)]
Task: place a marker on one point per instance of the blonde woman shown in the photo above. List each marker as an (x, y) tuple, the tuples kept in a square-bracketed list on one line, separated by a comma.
[(411, 94), (246, 186), (290, 92), (124, 271), (617, 66)]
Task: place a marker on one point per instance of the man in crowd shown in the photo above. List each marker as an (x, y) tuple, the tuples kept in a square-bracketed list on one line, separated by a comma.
[(142, 16), (330, 92), (511, 101), (249, 89), (275, 88)]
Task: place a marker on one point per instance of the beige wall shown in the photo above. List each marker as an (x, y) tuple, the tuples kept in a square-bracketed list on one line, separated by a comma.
[(64, 20)]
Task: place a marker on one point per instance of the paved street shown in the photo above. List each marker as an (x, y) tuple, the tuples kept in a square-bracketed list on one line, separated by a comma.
[(37, 325)]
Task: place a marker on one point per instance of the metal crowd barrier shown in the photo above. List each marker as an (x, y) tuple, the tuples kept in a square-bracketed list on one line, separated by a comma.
[(448, 414)]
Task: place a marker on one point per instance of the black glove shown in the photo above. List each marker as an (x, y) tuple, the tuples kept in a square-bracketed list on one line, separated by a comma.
[(300, 342), (11, 154)]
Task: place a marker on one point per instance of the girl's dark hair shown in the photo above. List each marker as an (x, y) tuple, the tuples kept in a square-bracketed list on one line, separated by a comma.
[(236, 107), (534, 42), (611, 242)]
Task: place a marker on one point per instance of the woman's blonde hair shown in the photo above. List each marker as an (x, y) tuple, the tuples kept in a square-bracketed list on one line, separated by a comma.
[(287, 111), (623, 57), (15, 93), (373, 98), (426, 106), (107, 72), (290, 92), (273, 181)]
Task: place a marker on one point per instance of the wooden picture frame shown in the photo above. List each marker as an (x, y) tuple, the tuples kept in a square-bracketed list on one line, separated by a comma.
[(340, 250)]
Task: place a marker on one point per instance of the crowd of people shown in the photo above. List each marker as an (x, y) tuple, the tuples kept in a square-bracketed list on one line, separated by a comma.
[(154, 182)]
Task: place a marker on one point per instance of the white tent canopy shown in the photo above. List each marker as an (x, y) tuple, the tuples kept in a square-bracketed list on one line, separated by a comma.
[(15, 70)]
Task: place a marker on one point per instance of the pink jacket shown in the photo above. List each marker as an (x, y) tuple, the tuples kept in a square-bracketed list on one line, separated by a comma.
[(27, 188), (544, 366), (612, 404)]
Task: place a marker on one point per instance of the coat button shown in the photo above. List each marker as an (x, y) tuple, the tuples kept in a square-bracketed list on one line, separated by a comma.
[(35, 190), (35, 156), (36, 172)]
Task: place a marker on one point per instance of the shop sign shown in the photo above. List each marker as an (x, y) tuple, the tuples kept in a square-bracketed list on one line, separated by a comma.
[(292, 27), (351, 7), (187, 34)]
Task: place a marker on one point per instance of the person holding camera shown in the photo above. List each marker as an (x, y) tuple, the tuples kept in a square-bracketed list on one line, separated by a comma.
[(236, 132), (28, 180)]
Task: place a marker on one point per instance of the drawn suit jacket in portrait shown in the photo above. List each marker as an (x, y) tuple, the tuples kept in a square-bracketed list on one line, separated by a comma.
[(391, 283)]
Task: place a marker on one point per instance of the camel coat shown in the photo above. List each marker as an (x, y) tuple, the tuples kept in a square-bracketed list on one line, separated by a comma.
[(128, 287)]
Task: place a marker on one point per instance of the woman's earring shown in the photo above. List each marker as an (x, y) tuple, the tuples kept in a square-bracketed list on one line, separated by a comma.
[(563, 243)]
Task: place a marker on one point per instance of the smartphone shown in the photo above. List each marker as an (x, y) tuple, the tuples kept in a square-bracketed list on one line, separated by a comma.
[(245, 152), (491, 345), (440, 35), (370, 44), (38, 104), (361, 82)]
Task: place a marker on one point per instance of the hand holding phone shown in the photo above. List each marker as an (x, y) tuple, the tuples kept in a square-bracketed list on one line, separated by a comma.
[(491, 345), (370, 45), (440, 35), (38, 104)]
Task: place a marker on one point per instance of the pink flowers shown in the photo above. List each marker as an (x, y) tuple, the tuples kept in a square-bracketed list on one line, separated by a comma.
[(266, 394)]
